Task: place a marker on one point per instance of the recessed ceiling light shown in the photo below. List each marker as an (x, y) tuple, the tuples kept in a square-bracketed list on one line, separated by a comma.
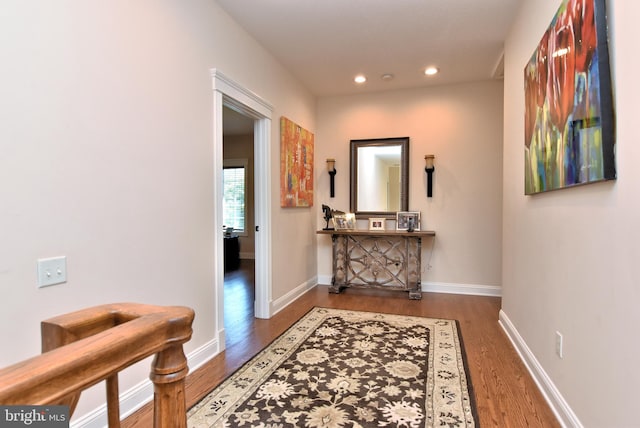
[(387, 77), (430, 71), (360, 78)]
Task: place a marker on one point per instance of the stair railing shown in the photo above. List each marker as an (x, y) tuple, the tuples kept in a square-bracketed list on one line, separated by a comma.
[(85, 347)]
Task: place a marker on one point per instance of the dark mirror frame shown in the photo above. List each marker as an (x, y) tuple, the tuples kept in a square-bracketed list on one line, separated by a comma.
[(403, 142)]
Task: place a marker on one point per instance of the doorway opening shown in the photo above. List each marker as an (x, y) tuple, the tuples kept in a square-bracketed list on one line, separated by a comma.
[(238, 205), (231, 95)]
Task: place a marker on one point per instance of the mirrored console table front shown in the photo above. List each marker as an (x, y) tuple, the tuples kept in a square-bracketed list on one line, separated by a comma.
[(377, 259)]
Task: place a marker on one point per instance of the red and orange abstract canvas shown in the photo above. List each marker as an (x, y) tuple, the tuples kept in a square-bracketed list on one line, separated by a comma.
[(569, 137), (296, 165)]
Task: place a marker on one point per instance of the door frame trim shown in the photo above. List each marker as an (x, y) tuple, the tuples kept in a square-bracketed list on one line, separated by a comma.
[(228, 93)]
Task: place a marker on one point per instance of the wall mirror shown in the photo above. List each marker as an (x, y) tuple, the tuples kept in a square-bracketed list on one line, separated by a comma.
[(379, 177)]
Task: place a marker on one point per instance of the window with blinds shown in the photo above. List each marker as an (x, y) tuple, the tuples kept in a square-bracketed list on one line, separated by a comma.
[(234, 199)]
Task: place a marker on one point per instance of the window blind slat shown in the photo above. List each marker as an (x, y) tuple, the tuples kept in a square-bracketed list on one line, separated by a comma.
[(233, 202)]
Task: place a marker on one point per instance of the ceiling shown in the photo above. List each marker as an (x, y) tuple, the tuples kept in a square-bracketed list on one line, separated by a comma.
[(324, 44), (234, 123)]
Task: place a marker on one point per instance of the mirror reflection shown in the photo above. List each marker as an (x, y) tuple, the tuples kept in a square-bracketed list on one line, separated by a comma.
[(379, 170)]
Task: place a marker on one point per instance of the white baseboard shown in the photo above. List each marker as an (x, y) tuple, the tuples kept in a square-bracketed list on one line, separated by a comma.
[(142, 393), (470, 289), (204, 353), (558, 404), (324, 279), (281, 303), (445, 287)]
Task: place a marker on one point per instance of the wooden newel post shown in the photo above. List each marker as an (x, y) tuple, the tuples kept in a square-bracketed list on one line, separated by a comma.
[(168, 372)]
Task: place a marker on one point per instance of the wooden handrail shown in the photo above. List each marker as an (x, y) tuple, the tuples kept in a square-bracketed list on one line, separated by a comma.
[(85, 347)]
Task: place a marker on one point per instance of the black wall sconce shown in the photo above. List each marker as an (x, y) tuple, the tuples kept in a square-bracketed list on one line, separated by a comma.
[(429, 168), (331, 168)]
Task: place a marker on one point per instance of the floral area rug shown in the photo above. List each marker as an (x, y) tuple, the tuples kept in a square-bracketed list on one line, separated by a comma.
[(339, 368)]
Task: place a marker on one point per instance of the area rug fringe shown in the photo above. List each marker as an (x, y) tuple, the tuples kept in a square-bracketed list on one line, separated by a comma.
[(342, 368)]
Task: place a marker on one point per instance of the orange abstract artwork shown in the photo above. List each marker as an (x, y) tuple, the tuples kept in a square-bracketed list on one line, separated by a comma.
[(296, 165)]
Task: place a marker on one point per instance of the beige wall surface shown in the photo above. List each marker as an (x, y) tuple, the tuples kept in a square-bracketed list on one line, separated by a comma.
[(107, 158), (569, 255), (462, 126)]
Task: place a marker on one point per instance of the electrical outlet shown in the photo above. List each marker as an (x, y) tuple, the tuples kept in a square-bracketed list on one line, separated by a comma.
[(52, 271), (559, 344)]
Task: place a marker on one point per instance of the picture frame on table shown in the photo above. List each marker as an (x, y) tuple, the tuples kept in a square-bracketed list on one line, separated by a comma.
[(408, 220), (377, 223), (345, 221)]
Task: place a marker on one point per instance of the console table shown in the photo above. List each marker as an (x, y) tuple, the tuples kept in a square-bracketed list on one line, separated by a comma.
[(377, 259)]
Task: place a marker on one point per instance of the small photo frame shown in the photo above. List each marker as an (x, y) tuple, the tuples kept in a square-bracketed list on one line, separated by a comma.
[(408, 220), (345, 221), (376, 223)]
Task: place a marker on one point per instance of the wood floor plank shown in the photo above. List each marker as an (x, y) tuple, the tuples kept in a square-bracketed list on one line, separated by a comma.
[(506, 395)]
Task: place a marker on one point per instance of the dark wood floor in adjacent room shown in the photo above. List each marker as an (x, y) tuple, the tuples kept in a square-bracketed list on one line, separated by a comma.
[(506, 395)]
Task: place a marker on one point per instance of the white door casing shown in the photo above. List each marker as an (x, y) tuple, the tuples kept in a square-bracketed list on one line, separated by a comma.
[(228, 93)]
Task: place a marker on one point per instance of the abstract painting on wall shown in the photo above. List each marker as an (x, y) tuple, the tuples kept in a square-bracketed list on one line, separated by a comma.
[(296, 165), (569, 129)]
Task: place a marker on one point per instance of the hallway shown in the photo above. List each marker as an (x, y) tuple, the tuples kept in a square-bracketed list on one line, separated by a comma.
[(506, 395)]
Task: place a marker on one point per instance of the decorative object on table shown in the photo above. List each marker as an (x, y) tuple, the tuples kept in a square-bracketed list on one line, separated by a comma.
[(345, 221), (569, 130), (408, 220), (353, 369), (296, 165), (377, 223), (429, 168), (331, 168), (328, 215)]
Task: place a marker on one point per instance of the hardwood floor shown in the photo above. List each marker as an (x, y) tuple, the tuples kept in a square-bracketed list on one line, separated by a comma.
[(239, 294), (506, 395)]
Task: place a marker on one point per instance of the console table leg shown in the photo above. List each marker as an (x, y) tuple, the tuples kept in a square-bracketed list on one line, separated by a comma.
[(415, 294), (414, 249), (335, 289), (338, 282)]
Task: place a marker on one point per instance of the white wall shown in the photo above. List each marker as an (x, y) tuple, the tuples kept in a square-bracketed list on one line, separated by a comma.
[(569, 255), (462, 126), (106, 157)]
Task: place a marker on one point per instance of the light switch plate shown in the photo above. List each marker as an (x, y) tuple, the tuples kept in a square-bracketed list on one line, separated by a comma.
[(52, 271)]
